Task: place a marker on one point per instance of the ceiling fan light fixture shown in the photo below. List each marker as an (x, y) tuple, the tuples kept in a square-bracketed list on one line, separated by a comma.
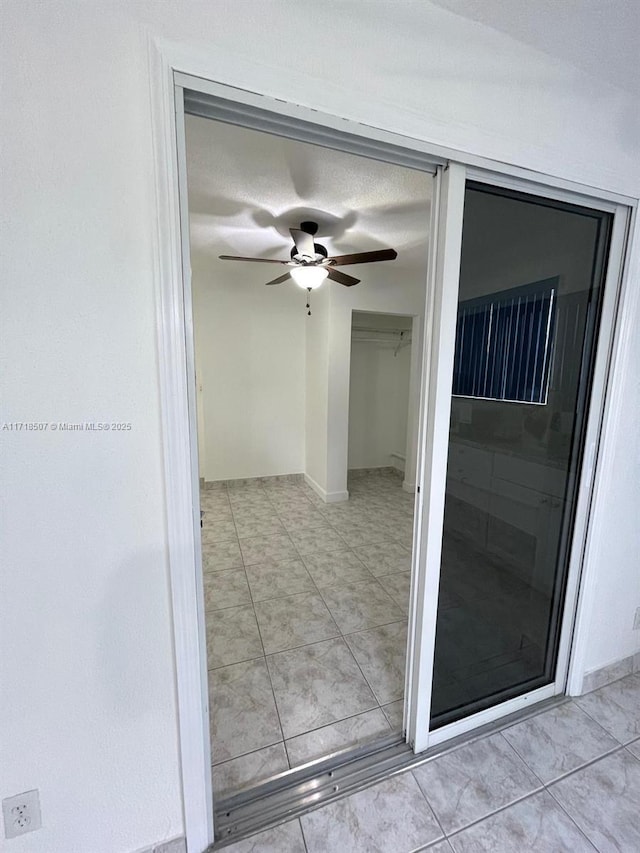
[(308, 277)]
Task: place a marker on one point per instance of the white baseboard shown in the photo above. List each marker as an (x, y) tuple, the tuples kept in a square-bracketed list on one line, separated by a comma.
[(610, 673), (408, 487), (327, 497), (400, 462), (175, 845)]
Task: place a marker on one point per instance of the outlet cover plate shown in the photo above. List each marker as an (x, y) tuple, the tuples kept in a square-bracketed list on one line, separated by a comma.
[(21, 814)]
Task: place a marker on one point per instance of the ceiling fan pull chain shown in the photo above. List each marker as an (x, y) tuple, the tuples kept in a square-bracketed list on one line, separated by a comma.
[(308, 301)]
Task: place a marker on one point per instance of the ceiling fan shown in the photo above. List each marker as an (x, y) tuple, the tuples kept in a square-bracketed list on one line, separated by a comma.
[(309, 264)]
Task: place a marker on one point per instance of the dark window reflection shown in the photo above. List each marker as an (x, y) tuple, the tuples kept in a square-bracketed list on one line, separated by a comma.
[(512, 466)]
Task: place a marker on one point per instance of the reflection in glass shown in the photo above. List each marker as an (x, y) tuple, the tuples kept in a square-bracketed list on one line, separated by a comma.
[(530, 288)]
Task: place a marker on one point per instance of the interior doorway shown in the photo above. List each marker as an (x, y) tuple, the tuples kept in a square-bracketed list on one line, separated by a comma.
[(448, 189), (306, 563)]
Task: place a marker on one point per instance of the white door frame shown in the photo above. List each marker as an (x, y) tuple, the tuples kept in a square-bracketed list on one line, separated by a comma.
[(171, 67), (445, 244)]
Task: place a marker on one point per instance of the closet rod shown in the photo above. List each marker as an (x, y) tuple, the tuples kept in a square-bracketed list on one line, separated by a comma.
[(381, 331)]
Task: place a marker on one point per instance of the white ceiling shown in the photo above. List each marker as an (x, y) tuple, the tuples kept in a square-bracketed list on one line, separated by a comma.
[(246, 189), (600, 37)]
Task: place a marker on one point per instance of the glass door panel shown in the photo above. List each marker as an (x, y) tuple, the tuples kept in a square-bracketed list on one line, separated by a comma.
[(531, 277)]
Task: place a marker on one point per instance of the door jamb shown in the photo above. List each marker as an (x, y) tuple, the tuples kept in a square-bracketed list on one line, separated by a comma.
[(435, 405), (183, 537)]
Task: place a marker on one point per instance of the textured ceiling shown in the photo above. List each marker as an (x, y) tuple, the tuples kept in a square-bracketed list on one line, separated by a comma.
[(246, 189)]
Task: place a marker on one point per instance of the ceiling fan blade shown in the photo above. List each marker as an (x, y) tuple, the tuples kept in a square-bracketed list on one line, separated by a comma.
[(280, 279), (365, 257), (303, 243), (253, 260), (342, 278)]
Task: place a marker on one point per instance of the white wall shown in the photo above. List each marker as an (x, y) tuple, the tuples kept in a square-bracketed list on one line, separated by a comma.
[(88, 708), (317, 390), (88, 705), (378, 404), (250, 345), (615, 540)]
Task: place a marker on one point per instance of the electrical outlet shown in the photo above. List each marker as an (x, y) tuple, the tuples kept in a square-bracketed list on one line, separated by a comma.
[(21, 814), (636, 621)]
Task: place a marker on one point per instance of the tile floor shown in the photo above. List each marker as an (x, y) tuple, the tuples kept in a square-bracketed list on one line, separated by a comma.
[(306, 606), (306, 609), (566, 780)]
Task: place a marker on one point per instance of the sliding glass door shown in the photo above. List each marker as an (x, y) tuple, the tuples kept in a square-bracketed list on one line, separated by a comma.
[(531, 277), (512, 361)]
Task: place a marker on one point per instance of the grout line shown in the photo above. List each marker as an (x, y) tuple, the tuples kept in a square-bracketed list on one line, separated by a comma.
[(341, 720), (234, 663), (365, 628), (375, 627), (431, 809), (584, 711), (226, 569), (571, 818), (304, 840), (304, 645), (432, 844), (286, 749), (244, 755), (375, 695), (213, 610), (566, 773), (584, 766), (535, 792), (514, 749), (631, 743), (266, 664)]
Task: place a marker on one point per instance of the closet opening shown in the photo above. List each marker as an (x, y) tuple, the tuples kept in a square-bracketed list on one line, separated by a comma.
[(382, 393)]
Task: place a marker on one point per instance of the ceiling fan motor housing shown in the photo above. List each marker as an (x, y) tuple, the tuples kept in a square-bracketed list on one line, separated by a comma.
[(320, 251), (309, 227)]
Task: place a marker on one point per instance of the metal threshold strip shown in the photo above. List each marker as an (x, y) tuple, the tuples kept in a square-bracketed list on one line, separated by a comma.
[(291, 794)]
